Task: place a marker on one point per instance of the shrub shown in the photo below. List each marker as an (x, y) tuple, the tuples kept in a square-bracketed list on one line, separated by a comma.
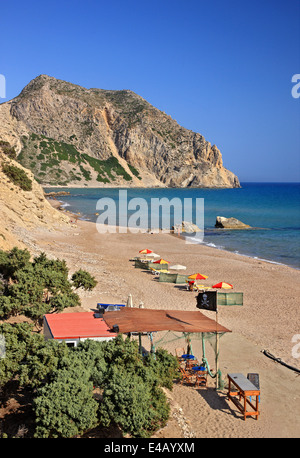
[(8, 149), (17, 176), (38, 287), (65, 407), (83, 279)]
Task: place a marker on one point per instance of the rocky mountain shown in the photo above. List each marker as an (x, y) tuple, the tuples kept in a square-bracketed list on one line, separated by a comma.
[(69, 135)]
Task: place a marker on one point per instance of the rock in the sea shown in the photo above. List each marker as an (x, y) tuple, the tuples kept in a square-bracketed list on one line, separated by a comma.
[(230, 223), (186, 226), (55, 194)]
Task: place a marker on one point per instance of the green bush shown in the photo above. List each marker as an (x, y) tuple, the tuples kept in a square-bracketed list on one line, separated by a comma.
[(61, 381), (65, 407), (38, 287), (83, 279), (8, 149), (17, 176)]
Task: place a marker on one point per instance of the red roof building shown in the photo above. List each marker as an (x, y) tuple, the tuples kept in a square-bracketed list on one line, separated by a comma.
[(76, 327)]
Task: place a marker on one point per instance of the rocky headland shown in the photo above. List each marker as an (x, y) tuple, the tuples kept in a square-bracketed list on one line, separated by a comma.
[(68, 135)]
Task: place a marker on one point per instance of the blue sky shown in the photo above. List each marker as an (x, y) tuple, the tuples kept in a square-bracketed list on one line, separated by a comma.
[(221, 68)]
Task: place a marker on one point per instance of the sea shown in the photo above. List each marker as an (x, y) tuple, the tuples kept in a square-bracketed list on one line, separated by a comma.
[(271, 209)]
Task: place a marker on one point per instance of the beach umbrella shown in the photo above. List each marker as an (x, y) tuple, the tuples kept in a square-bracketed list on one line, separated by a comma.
[(161, 261), (222, 285), (197, 277), (152, 255), (145, 251), (178, 267)]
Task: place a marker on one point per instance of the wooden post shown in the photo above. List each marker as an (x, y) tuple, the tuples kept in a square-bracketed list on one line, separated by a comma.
[(152, 350), (217, 352)]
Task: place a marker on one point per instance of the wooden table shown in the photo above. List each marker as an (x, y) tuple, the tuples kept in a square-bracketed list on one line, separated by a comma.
[(243, 388), (189, 360)]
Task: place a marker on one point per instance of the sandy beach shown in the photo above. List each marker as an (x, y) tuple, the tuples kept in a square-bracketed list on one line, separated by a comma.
[(268, 320)]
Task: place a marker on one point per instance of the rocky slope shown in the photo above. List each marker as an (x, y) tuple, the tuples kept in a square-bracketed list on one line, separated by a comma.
[(69, 135), (22, 210)]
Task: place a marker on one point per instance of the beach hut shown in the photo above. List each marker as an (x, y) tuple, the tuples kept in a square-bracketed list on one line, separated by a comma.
[(73, 328), (149, 321)]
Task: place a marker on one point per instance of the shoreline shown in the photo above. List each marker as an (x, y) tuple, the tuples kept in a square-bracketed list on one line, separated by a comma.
[(75, 215)]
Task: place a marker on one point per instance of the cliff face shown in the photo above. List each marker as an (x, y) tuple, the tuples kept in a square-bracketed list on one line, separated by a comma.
[(23, 210), (70, 135)]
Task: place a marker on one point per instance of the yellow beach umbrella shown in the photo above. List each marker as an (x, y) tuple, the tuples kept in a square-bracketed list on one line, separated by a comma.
[(197, 277)]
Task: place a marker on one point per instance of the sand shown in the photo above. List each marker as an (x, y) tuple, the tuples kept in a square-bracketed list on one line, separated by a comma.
[(268, 320)]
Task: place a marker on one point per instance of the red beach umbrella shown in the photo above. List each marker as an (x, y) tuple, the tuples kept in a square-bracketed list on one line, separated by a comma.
[(222, 285), (145, 251), (161, 261), (197, 277)]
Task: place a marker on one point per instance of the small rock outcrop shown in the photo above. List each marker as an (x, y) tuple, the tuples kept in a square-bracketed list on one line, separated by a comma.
[(57, 194), (230, 223), (186, 226)]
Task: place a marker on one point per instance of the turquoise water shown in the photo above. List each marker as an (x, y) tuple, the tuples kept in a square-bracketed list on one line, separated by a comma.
[(273, 209)]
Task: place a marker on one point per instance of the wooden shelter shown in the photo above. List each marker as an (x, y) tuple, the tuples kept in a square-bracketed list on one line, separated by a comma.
[(148, 320)]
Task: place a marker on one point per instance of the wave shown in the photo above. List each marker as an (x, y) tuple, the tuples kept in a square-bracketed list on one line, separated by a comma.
[(64, 204), (221, 247)]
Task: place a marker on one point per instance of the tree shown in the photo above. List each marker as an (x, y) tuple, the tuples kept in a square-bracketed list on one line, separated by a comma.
[(82, 279), (12, 261), (20, 343), (37, 287)]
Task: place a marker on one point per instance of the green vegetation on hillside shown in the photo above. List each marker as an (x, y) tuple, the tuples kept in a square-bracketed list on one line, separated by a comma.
[(17, 176), (7, 149), (58, 163)]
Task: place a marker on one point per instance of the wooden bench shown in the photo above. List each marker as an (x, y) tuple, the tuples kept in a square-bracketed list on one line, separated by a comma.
[(243, 388)]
